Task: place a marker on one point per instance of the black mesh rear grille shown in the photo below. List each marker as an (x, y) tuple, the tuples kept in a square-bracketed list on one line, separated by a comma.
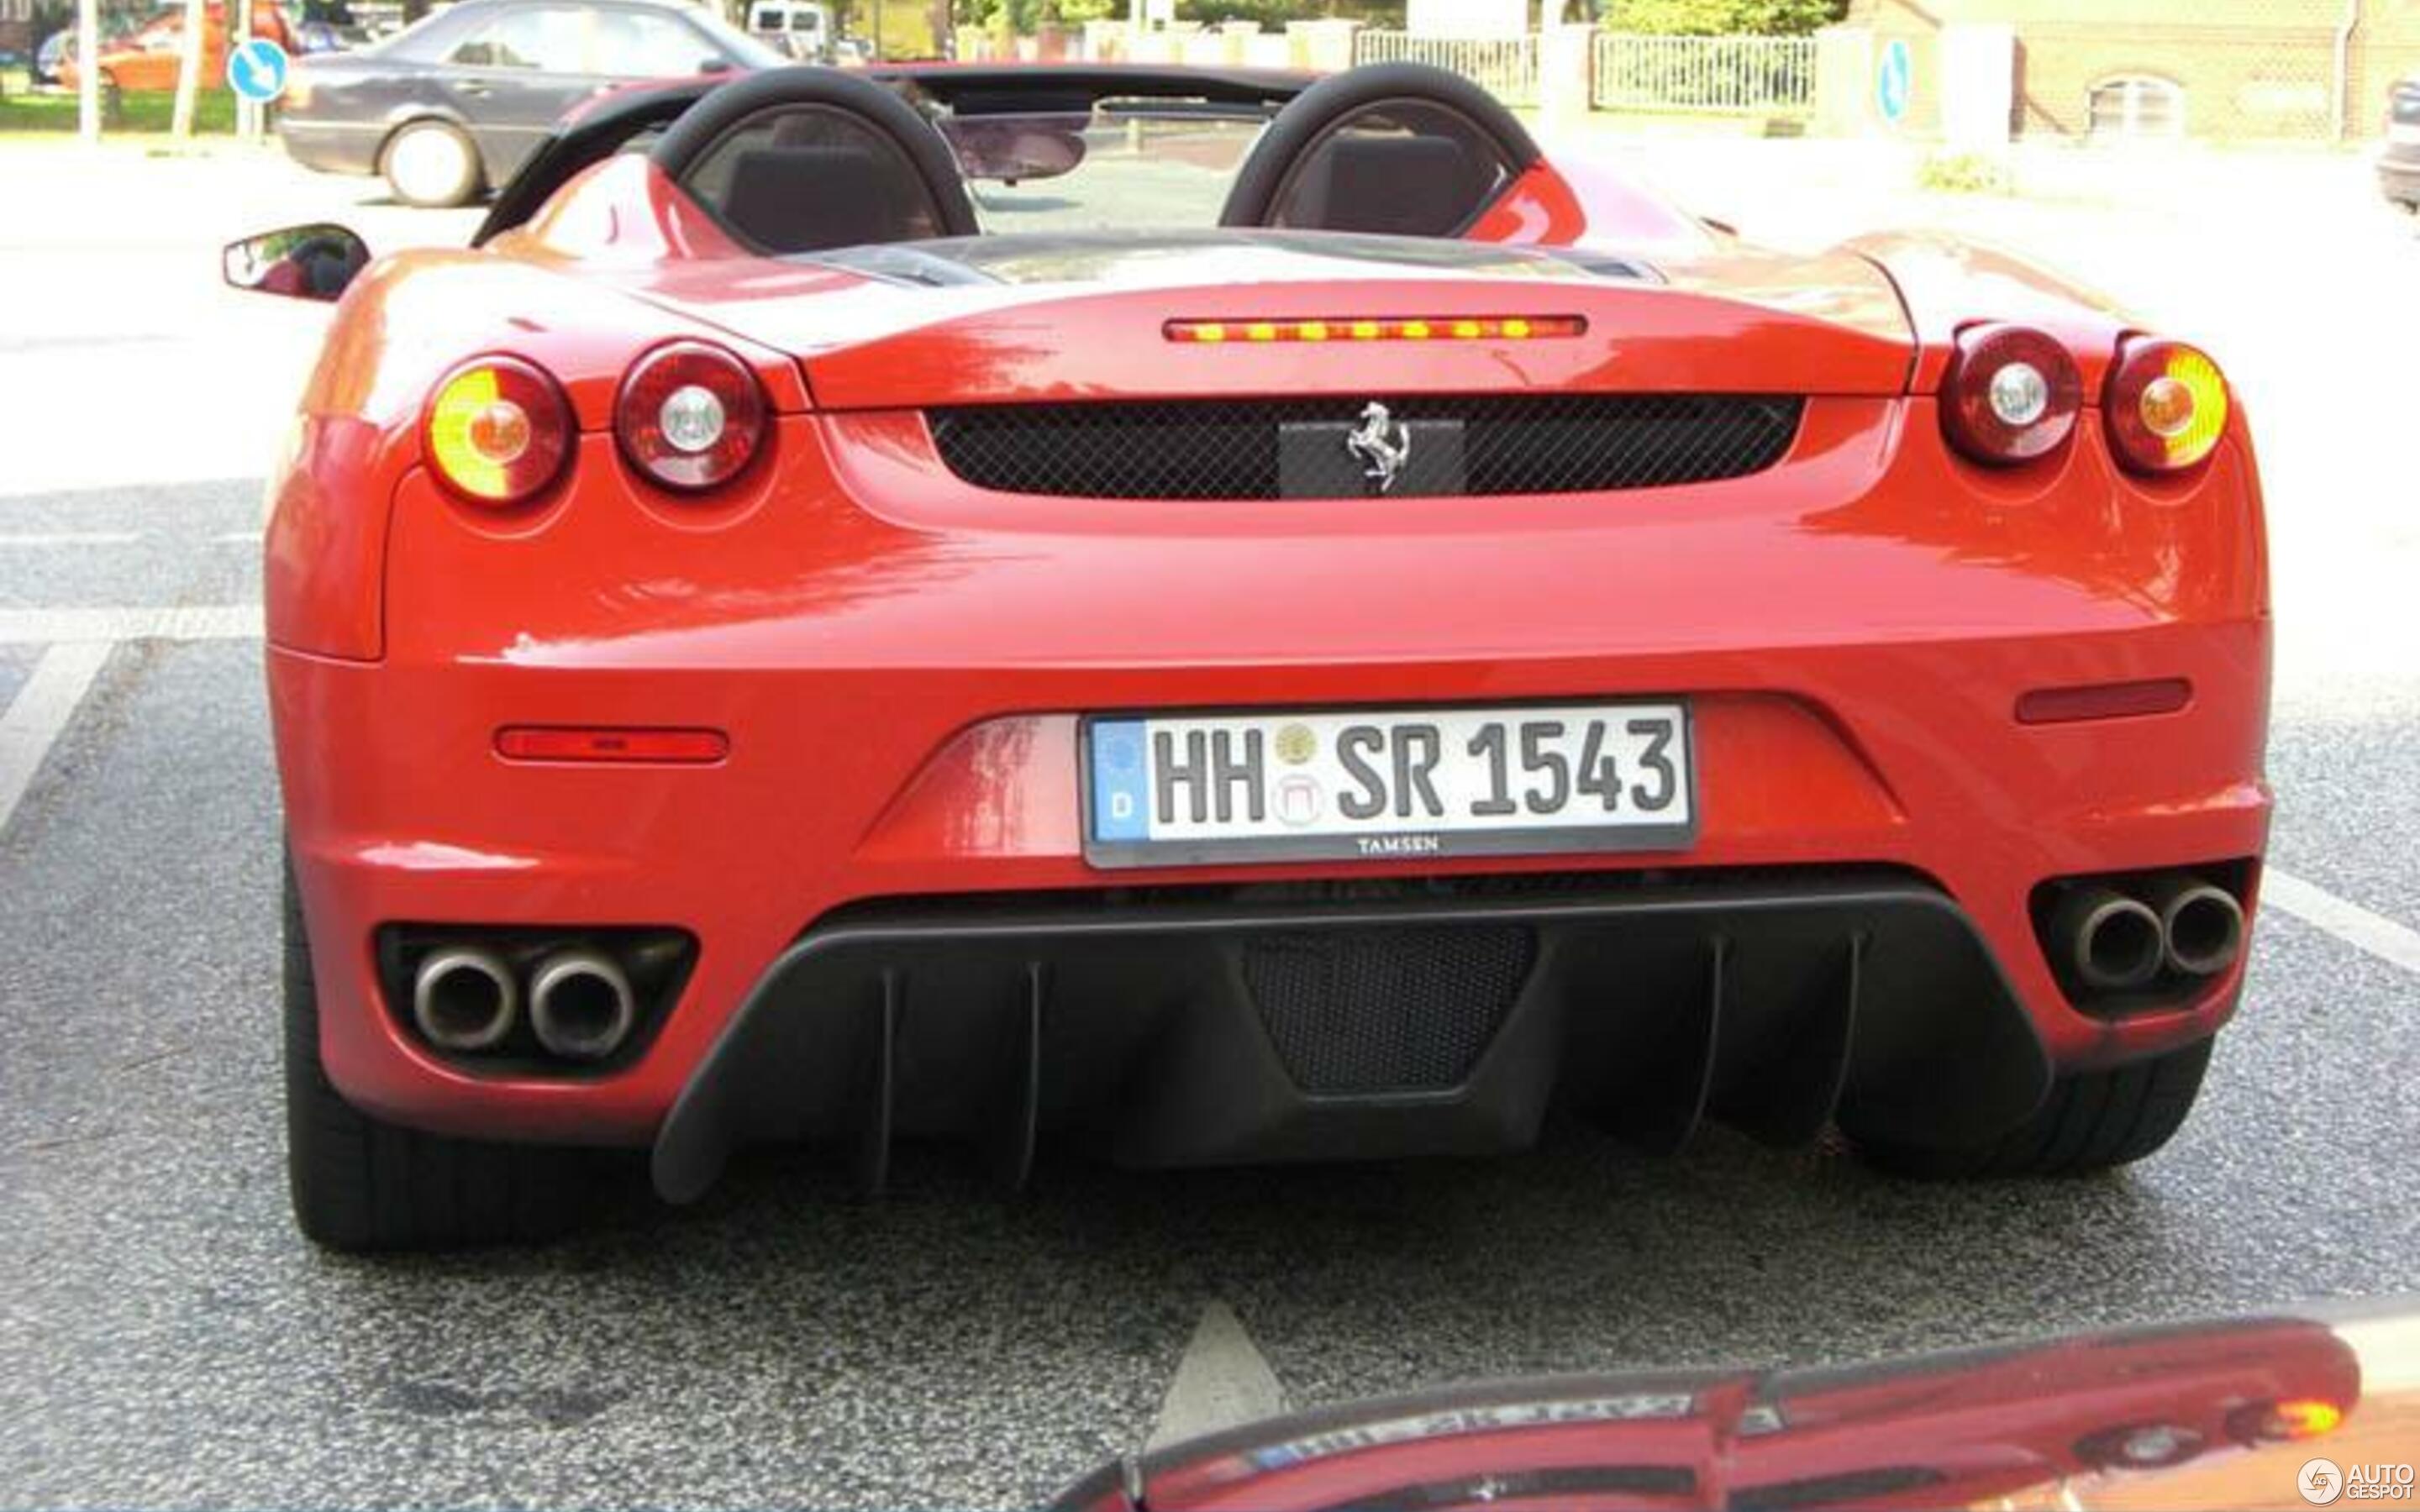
[(1229, 448), (1386, 1011)]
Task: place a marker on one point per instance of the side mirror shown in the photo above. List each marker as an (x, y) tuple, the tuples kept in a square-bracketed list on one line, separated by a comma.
[(301, 262), (715, 65)]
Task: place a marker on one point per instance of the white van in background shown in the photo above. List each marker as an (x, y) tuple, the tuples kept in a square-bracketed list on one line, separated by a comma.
[(797, 28)]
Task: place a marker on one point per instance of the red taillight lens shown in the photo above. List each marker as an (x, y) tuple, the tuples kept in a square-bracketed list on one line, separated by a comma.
[(2167, 406), (563, 742), (2103, 700), (2011, 395), (498, 431), (691, 416)]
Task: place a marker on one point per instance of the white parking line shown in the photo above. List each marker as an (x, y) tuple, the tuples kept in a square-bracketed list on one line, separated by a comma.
[(203, 622), (70, 538), (2382, 937), (238, 538), (1222, 1383), (39, 711)]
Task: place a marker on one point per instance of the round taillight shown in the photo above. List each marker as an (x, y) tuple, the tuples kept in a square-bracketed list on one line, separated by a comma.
[(2011, 395), (498, 431), (691, 416), (2286, 1422), (2166, 404)]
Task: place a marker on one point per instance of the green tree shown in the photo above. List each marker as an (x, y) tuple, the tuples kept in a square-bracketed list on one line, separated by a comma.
[(1024, 16), (1721, 18), (1276, 13)]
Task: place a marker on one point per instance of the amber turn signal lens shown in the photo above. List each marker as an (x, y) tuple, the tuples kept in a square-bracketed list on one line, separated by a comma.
[(498, 431), (2011, 395), (2290, 1421), (2166, 404)]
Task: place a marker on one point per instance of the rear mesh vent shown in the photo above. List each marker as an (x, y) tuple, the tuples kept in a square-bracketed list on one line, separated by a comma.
[(1386, 1011), (1231, 449)]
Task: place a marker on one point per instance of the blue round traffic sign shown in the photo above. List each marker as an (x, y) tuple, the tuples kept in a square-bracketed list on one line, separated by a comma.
[(1894, 80), (257, 70)]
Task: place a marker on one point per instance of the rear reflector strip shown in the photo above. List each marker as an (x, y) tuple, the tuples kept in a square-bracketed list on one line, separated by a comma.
[(1362, 328), (560, 743), (2103, 700)]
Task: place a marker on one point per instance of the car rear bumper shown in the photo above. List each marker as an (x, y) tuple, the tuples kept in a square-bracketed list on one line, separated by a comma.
[(1281, 1023), (902, 688)]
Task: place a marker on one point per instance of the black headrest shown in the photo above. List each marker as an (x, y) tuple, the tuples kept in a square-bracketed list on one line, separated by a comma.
[(905, 180), (812, 199), (1407, 186), (1297, 140)]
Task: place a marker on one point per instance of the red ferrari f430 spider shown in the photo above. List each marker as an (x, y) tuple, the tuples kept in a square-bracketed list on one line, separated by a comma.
[(1225, 617)]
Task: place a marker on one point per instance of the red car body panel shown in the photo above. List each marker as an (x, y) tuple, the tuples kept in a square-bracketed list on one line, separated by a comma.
[(2045, 1425), (900, 658)]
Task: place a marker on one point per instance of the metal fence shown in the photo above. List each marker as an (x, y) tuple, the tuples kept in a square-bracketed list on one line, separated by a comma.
[(1742, 76), (1507, 66)]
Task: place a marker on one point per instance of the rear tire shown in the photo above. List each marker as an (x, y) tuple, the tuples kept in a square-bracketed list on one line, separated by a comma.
[(362, 1184), (431, 164), (2092, 1121)]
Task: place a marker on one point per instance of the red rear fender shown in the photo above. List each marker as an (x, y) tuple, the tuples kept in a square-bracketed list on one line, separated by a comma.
[(399, 328)]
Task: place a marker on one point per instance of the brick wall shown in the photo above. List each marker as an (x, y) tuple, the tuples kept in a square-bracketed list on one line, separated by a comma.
[(2248, 70)]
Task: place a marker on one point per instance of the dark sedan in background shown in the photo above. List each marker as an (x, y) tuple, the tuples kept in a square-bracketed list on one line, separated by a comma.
[(456, 105), (2398, 167)]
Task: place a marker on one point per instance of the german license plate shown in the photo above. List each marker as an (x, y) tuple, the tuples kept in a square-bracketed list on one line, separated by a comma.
[(1363, 784)]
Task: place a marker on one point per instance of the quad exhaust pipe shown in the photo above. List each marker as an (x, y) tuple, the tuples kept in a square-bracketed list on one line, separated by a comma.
[(581, 1005), (2112, 941), (522, 996), (465, 998), (2202, 925)]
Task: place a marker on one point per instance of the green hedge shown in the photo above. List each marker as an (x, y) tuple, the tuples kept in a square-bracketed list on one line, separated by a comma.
[(1721, 18), (139, 111)]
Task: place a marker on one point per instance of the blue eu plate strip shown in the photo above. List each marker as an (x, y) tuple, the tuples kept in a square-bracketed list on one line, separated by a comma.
[(1121, 781)]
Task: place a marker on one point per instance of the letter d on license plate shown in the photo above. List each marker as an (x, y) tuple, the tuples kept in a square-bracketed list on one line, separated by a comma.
[(1375, 784)]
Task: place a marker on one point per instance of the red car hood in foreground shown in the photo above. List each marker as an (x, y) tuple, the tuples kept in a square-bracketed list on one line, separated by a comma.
[(2195, 1416)]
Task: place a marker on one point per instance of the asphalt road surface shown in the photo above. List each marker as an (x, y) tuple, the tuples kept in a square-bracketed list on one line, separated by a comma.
[(165, 1339)]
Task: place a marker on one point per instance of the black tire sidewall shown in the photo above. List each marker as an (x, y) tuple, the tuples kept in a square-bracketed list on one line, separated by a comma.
[(360, 1183)]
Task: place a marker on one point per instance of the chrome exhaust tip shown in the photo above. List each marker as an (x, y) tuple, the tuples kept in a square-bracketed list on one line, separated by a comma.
[(2112, 943), (464, 999), (2202, 925), (581, 1005)]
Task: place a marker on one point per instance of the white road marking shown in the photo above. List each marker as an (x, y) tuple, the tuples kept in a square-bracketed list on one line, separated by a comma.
[(202, 621), (238, 538), (39, 711), (70, 538), (2395, 943), (1221, 1382)]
